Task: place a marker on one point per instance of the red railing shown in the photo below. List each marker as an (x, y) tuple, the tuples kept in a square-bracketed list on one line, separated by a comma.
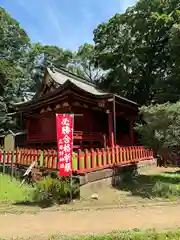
[(80, 135), (83, 161), (113, 157)]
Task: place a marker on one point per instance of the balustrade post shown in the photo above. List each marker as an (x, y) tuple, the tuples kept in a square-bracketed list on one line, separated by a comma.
[(86, 159), (99, 158), (104, 158), (111, 132), (109, 153), (117, 155)]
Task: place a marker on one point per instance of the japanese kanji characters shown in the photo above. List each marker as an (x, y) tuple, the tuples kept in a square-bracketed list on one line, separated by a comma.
[(67, 167), (66, 129), (67, 157), (66, 139), (67, 148), (61, 153), (65, 142), (65, 122)]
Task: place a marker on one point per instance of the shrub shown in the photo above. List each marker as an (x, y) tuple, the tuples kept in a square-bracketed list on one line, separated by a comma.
[(51, 189), (166, 190)]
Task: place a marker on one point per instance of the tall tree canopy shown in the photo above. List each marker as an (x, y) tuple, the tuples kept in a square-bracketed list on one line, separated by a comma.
[(136, 54), (140, 50), (162, 128), (83, 64), (22, 64), (14, 44), (40, 57)]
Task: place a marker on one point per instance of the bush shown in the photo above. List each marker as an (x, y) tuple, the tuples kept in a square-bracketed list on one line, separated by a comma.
[(166, 190), (51, 189)]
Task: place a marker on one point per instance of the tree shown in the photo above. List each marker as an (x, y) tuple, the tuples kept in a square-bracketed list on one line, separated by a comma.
[(80, 63), (14, 40), (140, 50), (14, 43), (42, 56), (83, 64), (162, 126)]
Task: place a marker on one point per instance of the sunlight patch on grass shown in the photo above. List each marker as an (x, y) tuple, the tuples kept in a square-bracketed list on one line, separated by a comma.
[(158, 185), (169, 175), (11, 192), (167, 186)]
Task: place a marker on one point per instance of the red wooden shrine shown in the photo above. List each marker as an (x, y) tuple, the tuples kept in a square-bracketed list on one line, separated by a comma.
[(100, 118)]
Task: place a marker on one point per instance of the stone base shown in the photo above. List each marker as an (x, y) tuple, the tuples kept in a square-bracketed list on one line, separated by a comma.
[(111, 172), (92, 182)]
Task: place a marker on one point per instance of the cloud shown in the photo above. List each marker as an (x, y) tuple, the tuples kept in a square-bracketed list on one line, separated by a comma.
[(53, 19), (66, 23)]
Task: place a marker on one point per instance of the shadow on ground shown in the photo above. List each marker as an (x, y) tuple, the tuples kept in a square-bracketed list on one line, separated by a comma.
[(162, 185), (41, 204), (26, 203)]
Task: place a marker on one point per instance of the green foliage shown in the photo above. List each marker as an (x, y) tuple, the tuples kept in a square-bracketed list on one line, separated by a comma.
[(51, 190), (166, 190), (22, 65), (135, 234), (14, 42), (39, 57), (161, 186), (10, 192), (83, 64), (162, 126), (136, 54), (140, 50)]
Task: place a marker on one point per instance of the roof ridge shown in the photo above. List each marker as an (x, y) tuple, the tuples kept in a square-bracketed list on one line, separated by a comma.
[(75, 76), (64, 71)]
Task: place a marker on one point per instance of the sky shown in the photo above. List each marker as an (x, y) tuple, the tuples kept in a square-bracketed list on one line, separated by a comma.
[(65, 23)]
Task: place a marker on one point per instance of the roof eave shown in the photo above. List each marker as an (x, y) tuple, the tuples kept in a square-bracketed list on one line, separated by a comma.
[(126, 100), (67, 84)]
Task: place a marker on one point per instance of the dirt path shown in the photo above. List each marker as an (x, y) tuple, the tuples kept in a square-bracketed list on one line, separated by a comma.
[(88, 222)]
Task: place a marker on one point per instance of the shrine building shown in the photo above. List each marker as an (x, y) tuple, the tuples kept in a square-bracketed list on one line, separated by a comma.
[(101, 119)]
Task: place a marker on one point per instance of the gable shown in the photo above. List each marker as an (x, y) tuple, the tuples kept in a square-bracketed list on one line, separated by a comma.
[(48, 85)]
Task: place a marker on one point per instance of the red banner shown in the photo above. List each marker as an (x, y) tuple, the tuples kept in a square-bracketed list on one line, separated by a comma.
[(64, 128)]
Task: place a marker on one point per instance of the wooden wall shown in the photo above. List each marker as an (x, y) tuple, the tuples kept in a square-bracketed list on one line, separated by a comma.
[(43, 127)]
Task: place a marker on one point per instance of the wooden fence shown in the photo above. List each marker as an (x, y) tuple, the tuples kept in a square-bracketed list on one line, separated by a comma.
[(83, 161)]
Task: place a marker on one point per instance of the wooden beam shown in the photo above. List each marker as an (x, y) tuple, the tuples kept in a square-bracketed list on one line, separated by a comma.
[(111, 132)]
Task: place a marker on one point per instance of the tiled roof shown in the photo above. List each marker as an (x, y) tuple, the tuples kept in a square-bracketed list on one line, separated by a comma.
[(61, 76)]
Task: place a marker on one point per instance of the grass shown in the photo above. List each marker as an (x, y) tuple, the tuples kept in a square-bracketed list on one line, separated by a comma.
[(130, 235), (135, 234), (162, 185), (11, 192), (147, 188), (16, 199)]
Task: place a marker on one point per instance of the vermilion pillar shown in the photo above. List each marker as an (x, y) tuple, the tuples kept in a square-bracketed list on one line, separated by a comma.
[(132, 131), (111, 131)]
